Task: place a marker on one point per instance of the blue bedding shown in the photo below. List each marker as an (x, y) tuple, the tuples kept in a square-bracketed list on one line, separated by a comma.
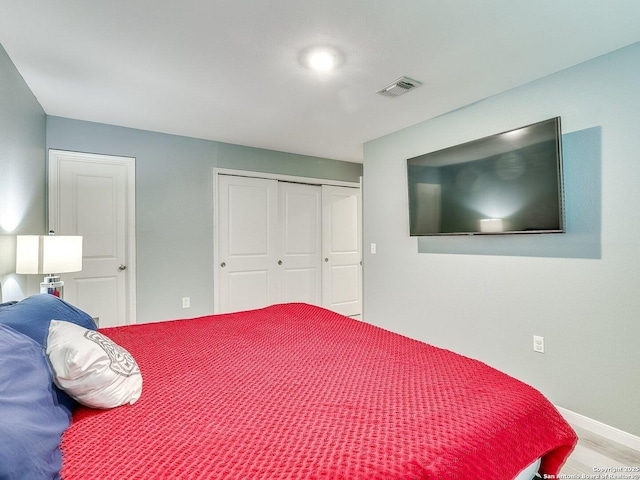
[(32, 316), (34, 412), (32, 420)]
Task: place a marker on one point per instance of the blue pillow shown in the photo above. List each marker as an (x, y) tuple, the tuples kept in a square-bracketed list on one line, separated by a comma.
[(32, 316), (32, 422), (7, 304)]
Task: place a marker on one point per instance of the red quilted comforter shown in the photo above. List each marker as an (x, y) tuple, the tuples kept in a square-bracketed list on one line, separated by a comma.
[(297, 392)]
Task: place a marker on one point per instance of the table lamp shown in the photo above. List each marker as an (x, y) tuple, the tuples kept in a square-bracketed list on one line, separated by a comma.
[(46, 254)]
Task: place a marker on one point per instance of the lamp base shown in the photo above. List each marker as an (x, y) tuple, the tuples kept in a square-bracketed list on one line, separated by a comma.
[(52, 285)]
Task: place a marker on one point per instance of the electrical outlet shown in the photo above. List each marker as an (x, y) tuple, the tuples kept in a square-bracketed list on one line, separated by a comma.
[(186, 302), (373, 248), (538, 344)]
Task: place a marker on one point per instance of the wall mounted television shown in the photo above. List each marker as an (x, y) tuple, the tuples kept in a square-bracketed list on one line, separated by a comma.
[(507, 183)]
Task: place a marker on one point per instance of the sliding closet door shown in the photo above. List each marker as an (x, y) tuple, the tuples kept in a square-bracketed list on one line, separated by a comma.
[(281, 241), (248, 243), (342, 240), (300, 229)]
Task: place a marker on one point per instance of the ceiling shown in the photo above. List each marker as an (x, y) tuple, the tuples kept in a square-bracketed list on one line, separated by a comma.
[(231, 71)]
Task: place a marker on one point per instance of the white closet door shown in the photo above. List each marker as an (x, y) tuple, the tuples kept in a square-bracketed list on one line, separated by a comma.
[(273, 237), (300, 230), (342, 240), (248, 243)]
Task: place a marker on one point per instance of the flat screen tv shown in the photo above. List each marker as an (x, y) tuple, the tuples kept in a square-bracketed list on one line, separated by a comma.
[(507, 183)]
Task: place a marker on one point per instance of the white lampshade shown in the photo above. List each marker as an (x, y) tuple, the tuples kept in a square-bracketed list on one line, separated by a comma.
[(28, 254), (48, 254), (7, 254), (491, 225)]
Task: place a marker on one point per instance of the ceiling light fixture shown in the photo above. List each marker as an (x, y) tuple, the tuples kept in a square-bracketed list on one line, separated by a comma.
[(321, 59)]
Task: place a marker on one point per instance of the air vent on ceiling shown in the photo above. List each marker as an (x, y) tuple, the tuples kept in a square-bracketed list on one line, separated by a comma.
[(399, 87)]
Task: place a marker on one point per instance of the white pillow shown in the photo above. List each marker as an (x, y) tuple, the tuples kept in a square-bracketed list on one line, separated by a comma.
[(91, 368)]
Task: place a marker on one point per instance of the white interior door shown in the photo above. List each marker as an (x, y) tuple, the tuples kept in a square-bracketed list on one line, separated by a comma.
[(248, 242), (342, 245), (94, 196), (301, 242)]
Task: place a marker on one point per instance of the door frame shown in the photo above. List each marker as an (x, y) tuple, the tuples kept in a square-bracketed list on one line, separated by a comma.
[(272, 176), (130, 247)]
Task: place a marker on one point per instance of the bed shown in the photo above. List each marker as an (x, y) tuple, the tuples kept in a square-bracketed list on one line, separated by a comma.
[(294, 391)]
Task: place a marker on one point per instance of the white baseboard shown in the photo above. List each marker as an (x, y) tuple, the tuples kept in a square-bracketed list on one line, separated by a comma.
[(601, 429)]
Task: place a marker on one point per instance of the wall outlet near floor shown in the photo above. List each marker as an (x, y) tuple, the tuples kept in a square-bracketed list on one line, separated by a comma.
[(538, 344), (186, 302)]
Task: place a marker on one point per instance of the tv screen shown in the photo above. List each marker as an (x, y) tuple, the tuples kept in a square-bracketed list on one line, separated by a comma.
[(506, 183)]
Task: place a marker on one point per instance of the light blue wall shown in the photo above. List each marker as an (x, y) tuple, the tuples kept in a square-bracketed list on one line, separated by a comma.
[(174, 203), (22, 170), (22, 158), (486, 297)]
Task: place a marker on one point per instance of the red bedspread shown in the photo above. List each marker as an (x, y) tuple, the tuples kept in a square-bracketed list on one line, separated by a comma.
[(297, 392)]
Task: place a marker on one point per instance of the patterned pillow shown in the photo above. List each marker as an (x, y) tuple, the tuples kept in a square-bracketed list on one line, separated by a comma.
[(91, 368)]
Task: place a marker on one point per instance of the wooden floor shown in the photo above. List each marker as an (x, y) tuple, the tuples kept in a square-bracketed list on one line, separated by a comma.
[(594, 452)]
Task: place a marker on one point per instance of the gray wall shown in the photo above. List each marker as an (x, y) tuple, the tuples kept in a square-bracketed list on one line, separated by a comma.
[(22, 143), (174, 203), (22, 169), (486, 297)]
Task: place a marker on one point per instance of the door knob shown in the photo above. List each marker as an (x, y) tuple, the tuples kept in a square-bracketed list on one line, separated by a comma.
[(223, 264), (279, 262), (122, 267)]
